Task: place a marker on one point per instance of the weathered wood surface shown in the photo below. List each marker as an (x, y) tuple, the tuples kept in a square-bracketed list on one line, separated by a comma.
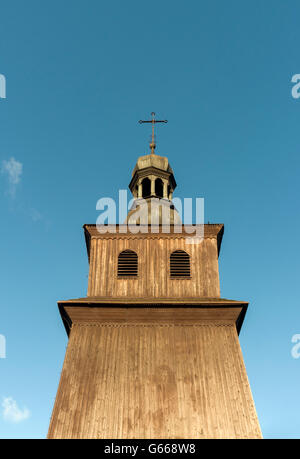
[(154, 315), (131, 379), (142, 301), (153, 357), (153, 268)]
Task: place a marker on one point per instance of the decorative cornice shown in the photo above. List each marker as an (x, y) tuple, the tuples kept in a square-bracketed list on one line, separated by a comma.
[(157, 302), (146, 236), (211, 231), (141, 173), (224, 313), (157, 232), (151, 325)]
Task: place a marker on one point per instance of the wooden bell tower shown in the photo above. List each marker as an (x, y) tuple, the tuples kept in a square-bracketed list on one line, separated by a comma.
[(153, 350)]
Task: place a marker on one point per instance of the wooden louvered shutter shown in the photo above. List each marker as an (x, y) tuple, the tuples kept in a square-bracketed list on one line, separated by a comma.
[(127, 264), (180, 264)]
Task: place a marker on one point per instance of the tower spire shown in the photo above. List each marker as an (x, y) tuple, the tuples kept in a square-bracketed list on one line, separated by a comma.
[(153, 121)]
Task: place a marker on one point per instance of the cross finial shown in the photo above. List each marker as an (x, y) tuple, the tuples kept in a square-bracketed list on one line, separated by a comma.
[(153, 121)]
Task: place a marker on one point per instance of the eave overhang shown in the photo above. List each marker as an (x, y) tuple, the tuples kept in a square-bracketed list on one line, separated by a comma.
[(206, 310), (211, 230)]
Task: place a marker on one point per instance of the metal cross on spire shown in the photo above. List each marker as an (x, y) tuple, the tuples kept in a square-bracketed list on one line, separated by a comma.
[(153, 121)]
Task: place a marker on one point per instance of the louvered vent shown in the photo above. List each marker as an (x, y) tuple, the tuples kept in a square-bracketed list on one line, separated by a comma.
[(127, 264), (180, 264)]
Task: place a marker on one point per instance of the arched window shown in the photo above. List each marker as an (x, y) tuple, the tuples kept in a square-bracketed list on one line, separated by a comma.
[(146, 187), (159, 188), (127, 264), (180, 264)]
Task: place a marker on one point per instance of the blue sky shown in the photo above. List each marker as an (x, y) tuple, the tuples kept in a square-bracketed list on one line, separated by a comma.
[(80, 74)]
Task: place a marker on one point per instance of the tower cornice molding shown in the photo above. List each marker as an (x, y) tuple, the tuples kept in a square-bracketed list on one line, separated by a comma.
[(119, 231), (142, 173), (139, 312)]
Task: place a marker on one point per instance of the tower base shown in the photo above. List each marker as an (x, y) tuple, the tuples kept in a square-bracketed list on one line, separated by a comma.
[(153, 371)]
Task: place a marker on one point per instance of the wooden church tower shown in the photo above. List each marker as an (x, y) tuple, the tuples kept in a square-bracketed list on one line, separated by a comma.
[(153, 350)]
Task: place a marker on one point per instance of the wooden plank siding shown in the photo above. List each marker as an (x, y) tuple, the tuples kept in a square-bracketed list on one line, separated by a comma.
[(153, 379), (153, 278), (151, 356)]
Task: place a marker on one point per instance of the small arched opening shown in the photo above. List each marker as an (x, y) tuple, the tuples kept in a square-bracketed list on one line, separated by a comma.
[(159, 188), (146, 187), (180, 264), (127, 264)]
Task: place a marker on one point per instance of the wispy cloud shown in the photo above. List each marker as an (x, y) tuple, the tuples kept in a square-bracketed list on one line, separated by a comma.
[(13, 170), (35, 214), (11, 412)]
